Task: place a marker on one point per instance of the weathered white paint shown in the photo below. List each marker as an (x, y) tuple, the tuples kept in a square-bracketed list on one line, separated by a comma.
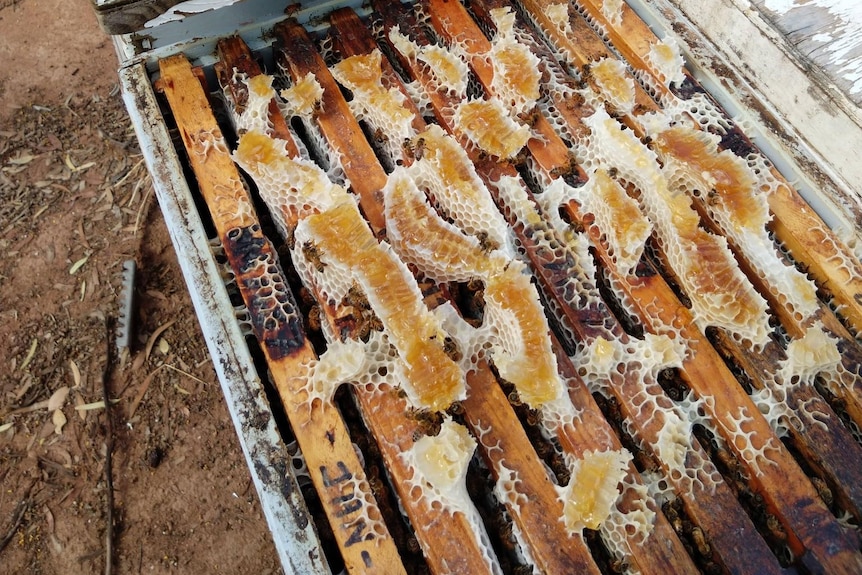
[(180, 11), (829, 32)]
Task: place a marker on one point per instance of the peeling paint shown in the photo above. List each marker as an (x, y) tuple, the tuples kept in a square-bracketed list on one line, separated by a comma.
[(827, 31), (180, 11)]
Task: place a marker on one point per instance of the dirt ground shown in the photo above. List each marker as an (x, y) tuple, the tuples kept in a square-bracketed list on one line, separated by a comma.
[(75, 203)]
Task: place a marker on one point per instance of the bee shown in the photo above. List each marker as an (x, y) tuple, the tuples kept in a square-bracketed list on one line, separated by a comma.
[(514, 399), (673, 518), (578, 227), (486, 243), (700, 541), (576, 100), (544, 450), (380, 136), (362, 330), (318, 106), (727, 460), (455, 409), (475, 284), (373, 321), (365, 322), (822, 490), (291, 237), (314, 318), (559, 171), (520, 158), (569, 168), (712, 197), (376, 485), (427, 422), (306, 296), (419, 149), (356, 298), (450, 348), (613, 172), (407, 147), (562, 472), (531, 118), (775, 527), (312, 254), (507, 536), (413, 545), (642, 459)]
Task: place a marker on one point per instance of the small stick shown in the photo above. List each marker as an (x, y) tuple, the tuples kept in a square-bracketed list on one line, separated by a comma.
[(109, 448)]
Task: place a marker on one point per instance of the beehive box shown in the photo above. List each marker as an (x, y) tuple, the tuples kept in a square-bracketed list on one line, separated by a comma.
[(641, 339)]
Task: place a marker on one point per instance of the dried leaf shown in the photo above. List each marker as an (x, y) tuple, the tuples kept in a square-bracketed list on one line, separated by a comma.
[(24, 158), (156, 294), (29, 408), (76, 373), (58, 398), (153, 338), (41, 211), (78, 265), (30, 354), (79, 401), (164, 346), (6, 426), (138, 362), (95, 405), (145, 385), (59, 420), (61, 456), (26, 383)]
